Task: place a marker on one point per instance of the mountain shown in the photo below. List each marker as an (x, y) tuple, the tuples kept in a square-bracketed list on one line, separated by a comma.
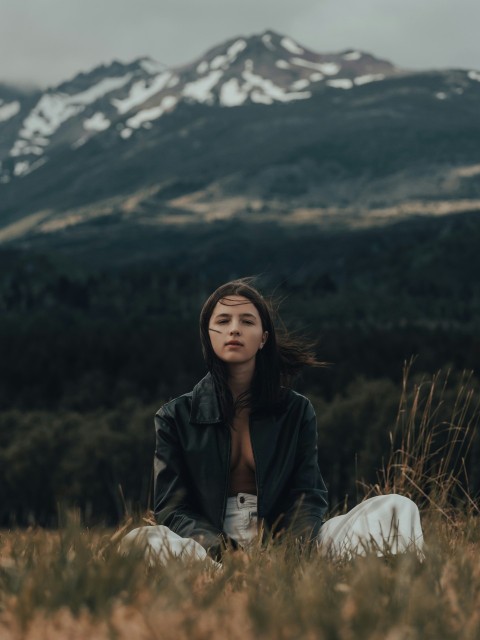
[(258, 127), (261, 69)]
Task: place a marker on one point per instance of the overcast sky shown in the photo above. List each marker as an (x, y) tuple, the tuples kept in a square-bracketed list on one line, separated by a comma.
[(47, 41)]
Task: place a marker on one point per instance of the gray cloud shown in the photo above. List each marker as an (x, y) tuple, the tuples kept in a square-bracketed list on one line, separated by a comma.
[(412, 33), (47, 41)]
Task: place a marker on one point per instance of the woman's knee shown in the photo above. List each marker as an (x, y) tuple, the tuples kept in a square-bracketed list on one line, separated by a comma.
[(143, 537), (395, 502), (401, 504)]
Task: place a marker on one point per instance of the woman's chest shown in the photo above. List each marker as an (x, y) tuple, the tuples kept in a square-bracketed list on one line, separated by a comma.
[(241, 445), (212, 451)]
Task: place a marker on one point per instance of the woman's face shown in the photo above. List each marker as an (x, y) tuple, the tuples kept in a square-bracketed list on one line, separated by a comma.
[(236, 331)]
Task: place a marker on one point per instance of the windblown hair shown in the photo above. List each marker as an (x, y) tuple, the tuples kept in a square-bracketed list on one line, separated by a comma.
[(282, 357)]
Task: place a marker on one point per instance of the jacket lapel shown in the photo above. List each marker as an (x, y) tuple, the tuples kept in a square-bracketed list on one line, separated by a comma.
[(205, 407)]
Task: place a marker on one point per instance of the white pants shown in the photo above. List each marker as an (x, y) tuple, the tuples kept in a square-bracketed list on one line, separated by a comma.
[(383, 524)]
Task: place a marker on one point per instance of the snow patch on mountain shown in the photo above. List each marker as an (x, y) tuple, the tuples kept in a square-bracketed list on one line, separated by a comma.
[(202, 67), (21, 168), (23, 148), (231, 94), (267, 41), (200, 90), (147, 115), (340, 83), (352, 55), (9, 110), (291, 46), (260, 98), (261, 90), (169, 102), (327, 68), (141, 91), (98, 122), (300, 84), (316, 77), (281, 64), (222, 62), (236, 48), (369, 77), (174, 80), (474, 75), (270, 89)]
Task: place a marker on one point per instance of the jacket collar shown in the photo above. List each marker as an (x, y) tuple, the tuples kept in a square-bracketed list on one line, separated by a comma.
[(205, 407)]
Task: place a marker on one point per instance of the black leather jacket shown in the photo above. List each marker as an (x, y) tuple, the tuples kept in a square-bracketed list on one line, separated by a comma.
[(192, 467)]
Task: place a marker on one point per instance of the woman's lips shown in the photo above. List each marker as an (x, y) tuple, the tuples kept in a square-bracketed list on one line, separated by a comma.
[(233, 343)]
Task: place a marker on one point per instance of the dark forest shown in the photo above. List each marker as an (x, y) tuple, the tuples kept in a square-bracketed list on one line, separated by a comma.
[(89, 351)]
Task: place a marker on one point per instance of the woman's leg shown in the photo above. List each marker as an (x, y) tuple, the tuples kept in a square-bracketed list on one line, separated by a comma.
[(160, 544), (383, 524)]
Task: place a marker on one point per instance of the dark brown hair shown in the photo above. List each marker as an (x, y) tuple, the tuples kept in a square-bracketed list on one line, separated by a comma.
[(281, 358)]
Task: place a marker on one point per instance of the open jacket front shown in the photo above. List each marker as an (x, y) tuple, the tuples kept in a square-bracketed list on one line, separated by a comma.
[(192, 467)]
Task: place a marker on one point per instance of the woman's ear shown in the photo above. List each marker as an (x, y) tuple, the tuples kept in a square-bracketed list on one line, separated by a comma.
[(264, 338)]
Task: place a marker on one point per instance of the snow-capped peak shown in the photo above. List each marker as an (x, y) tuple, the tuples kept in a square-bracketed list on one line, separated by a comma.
[(119, 99)]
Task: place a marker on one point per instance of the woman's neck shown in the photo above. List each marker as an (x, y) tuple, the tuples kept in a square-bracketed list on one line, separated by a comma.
[(240, 378)]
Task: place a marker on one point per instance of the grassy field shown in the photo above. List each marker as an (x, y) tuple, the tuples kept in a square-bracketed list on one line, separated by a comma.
[(73, 583)]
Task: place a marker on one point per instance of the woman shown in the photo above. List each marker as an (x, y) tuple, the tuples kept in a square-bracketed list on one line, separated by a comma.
[(238, 454)]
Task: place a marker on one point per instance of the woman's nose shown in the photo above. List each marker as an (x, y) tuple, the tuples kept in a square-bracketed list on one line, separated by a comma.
[(234, 330)]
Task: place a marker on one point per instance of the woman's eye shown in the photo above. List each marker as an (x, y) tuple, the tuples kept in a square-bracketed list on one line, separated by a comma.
[(248, 322), (222, 321)]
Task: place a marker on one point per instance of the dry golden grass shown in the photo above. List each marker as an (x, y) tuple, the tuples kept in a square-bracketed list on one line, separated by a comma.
[(73, 583)]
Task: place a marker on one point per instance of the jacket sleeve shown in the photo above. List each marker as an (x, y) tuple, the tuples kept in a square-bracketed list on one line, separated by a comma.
[(306, 500), (172, 497)]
